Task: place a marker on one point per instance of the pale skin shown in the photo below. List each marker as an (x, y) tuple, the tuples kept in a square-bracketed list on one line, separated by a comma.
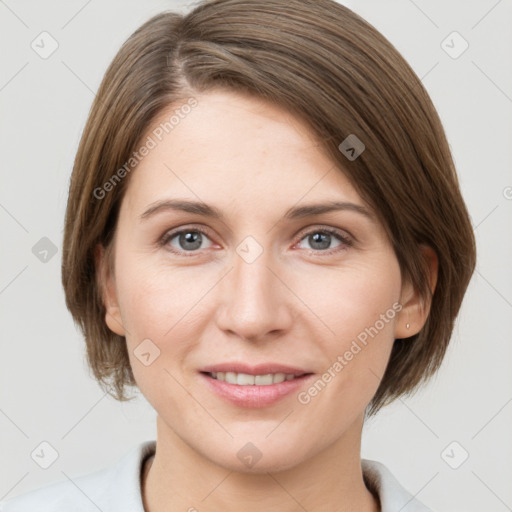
[(294, 304)]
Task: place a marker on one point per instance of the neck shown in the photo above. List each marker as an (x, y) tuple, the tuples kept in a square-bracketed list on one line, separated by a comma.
[(179, 478)]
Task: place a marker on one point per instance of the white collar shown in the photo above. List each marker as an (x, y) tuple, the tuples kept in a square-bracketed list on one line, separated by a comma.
[(119, 488), (393, 496)]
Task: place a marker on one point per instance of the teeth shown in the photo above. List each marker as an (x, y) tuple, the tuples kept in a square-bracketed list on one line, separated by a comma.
[(243, 379)]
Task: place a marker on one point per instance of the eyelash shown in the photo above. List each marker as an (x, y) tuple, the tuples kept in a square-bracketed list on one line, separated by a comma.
[(346, 242)]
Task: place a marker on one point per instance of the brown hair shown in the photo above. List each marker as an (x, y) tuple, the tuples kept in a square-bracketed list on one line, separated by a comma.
[(323, 63)]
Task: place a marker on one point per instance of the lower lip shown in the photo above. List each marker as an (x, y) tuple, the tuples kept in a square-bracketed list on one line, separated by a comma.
[(253, 395)]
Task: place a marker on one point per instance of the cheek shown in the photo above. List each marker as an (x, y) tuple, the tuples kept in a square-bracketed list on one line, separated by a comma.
[(154, 304), (163, 305), (350, 300), (154, 298), (359, 306)]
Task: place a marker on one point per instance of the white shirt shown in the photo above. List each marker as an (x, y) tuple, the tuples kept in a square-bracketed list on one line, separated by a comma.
[(118, 489)]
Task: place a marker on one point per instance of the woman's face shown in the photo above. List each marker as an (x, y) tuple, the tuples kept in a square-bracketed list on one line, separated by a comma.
[(264, 282)]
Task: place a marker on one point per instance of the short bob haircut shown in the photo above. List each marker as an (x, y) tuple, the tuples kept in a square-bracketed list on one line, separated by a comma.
[(323, 63)]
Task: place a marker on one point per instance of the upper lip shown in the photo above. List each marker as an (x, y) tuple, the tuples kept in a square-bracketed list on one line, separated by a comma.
[(259, 369)]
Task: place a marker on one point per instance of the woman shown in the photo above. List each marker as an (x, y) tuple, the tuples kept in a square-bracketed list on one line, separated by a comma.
[(264, 234)]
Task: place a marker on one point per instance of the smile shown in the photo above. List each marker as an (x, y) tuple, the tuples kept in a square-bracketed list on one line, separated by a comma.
[(244, 390), (244, 379)]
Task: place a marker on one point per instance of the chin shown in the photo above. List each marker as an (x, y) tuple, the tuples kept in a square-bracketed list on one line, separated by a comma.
[(257, 457)]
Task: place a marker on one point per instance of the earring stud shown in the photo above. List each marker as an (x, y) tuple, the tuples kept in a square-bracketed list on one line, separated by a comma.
[(407, 326)]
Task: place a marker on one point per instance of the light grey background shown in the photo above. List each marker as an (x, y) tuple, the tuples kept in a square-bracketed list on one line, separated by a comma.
[(46, 393)]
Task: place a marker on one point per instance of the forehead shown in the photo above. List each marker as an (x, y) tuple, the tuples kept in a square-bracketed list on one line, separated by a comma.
[(235, 149)]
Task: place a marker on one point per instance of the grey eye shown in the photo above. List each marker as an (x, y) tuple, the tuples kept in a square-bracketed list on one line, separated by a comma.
[(187, 240)]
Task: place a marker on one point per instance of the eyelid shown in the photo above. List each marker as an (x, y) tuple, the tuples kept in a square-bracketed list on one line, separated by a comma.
[(342, 233), (346, 240), (170, 234)]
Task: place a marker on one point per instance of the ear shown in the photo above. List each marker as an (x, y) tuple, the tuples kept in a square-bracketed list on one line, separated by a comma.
[(106, 283), (415, 310)]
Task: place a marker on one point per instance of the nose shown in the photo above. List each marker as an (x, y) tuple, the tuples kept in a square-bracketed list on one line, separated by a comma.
[(254, 301)]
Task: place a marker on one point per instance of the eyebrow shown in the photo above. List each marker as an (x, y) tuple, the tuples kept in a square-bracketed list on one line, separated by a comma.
[(296, 212)]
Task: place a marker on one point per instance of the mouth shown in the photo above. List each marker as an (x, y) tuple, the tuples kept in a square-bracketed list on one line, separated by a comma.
[(245, 379), (254, 390)]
